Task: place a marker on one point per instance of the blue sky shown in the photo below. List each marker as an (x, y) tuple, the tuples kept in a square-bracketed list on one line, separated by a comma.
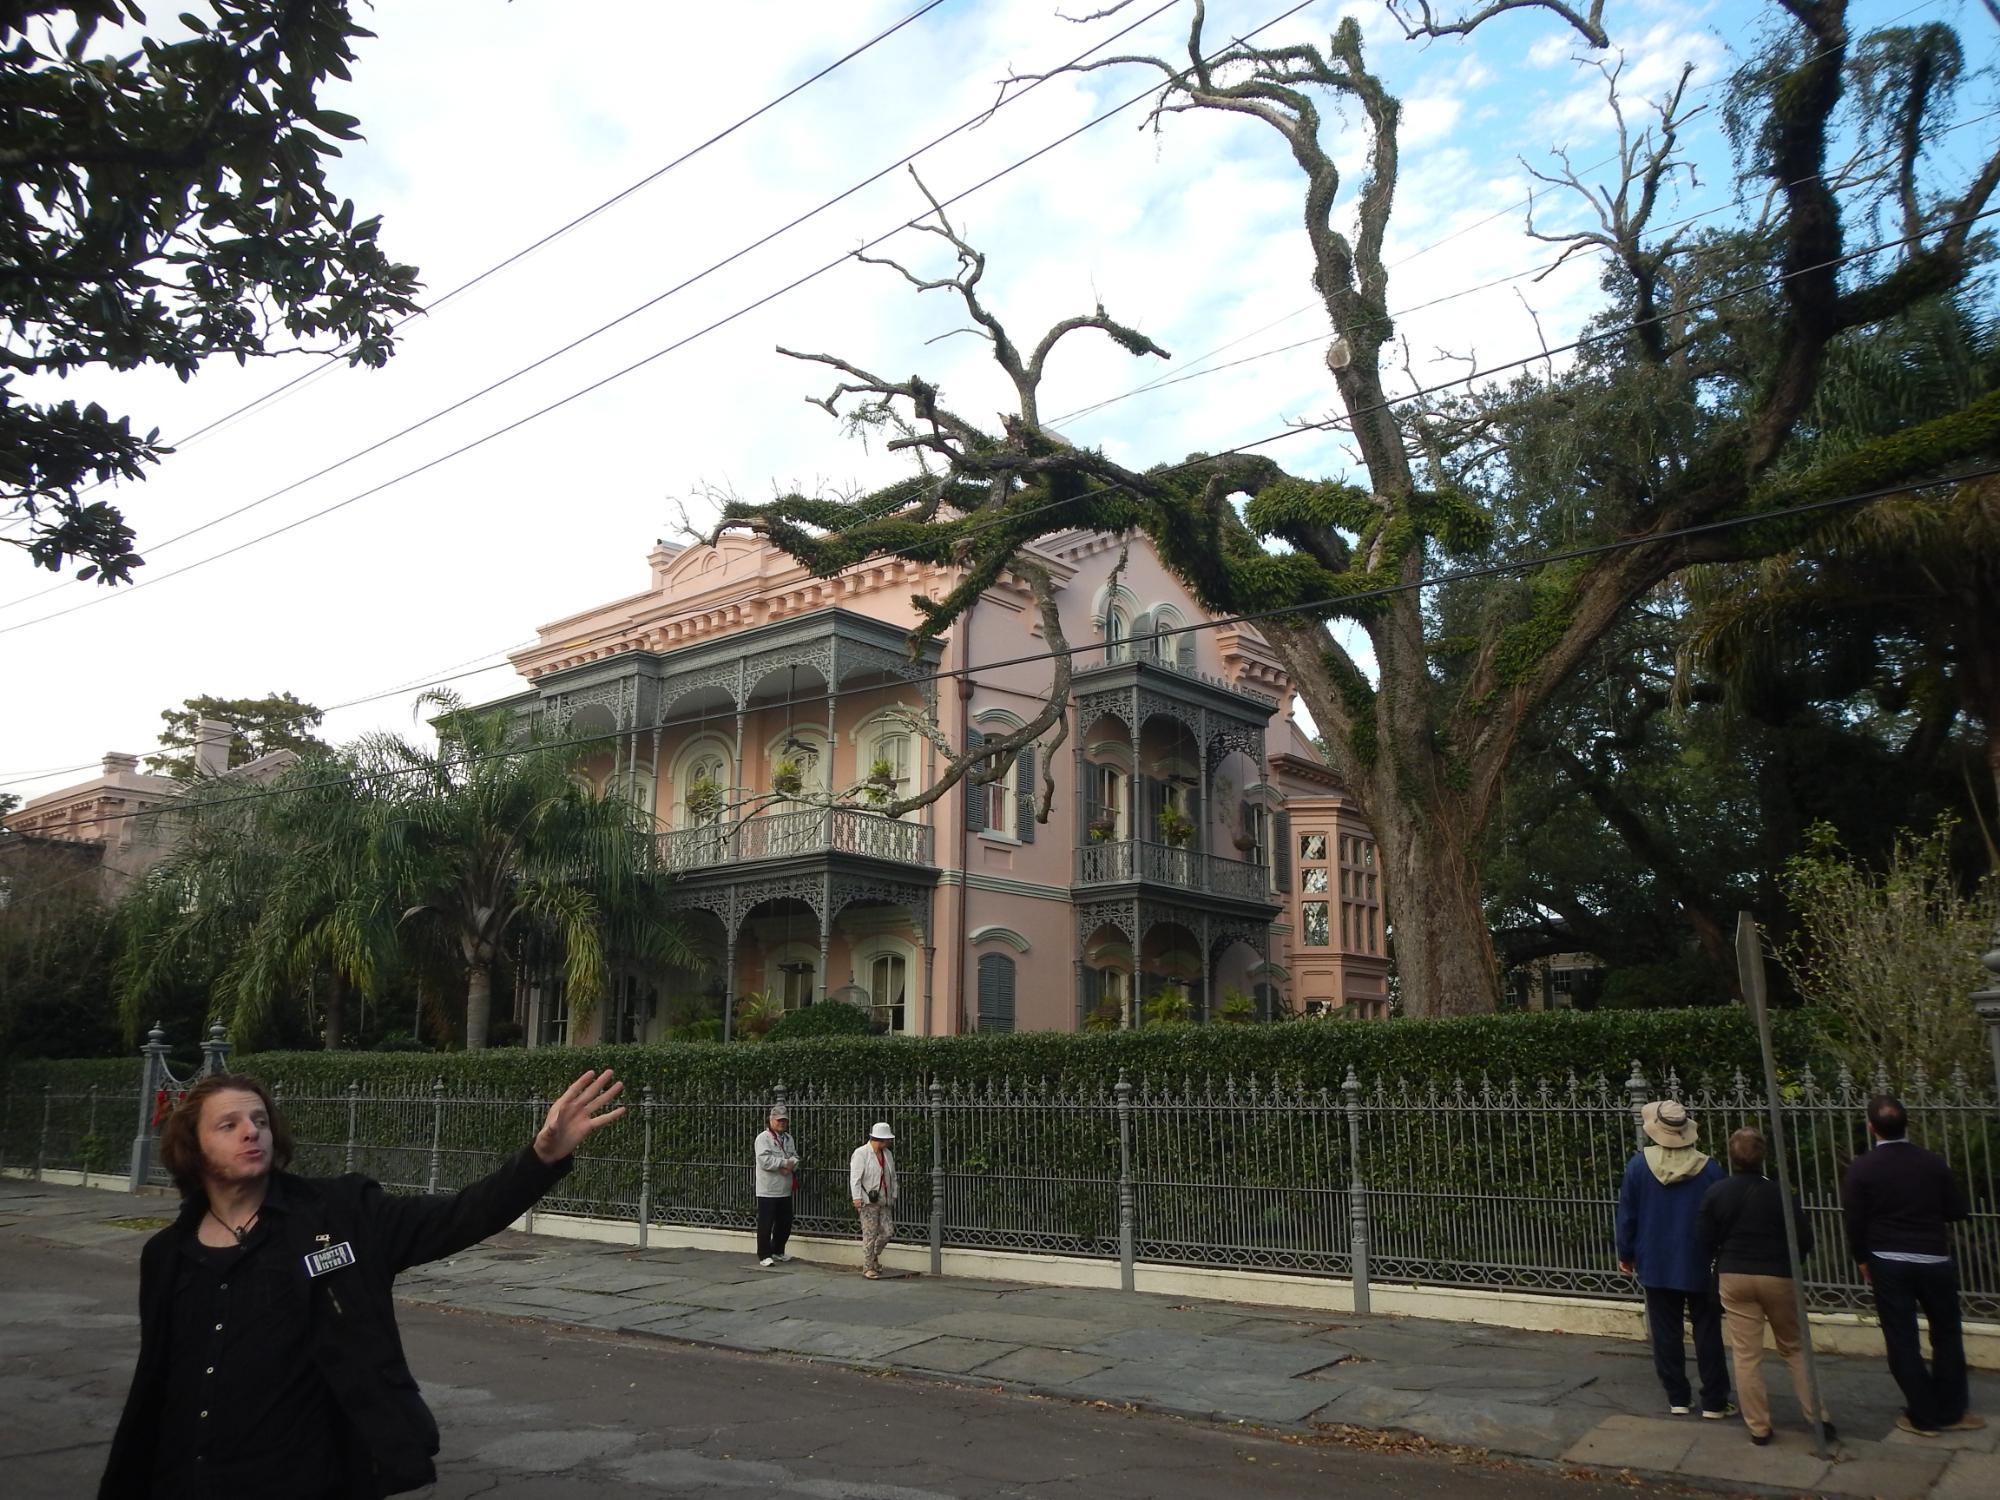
[(489, 124)]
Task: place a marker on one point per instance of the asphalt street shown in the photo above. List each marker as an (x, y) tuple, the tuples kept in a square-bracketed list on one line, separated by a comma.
[(541, 1412)]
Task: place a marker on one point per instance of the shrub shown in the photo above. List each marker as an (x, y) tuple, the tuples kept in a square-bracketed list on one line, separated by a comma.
[(829, 1018)]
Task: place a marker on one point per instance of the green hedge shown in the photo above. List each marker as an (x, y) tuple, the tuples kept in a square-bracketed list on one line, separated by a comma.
[(1710, 1042)]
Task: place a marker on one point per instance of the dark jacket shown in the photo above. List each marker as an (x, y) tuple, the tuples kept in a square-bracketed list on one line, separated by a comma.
[(1900, 1197), (1656, 1225), (1743, 1228), (351, 1318)]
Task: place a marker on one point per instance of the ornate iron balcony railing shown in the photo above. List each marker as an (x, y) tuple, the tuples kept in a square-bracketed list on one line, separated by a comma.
[(1118, 860), (810, 830)]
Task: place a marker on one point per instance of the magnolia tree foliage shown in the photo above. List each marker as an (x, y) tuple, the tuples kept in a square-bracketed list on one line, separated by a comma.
[(1682, 409), (165, 202)]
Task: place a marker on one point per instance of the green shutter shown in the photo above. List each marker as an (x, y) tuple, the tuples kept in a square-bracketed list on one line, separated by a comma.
[(1282, 847), (996, 992), (975, 796), (1024, 796)]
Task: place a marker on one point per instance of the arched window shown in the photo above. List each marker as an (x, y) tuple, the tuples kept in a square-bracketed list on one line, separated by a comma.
[(701, 785), (792, 974), (807, 750), (996, 992), (1117, 633), (1174, 650), (894, 747), (888, 989)]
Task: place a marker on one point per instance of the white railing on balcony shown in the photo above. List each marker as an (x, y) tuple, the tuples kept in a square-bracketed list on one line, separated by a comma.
[(810, 830), (1116, 860)]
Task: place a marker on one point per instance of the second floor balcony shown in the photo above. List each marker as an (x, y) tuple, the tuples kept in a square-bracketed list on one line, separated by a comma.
[(790, 835), (1136, 861)]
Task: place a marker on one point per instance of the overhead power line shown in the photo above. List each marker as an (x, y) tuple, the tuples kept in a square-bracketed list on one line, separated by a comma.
[(581, 339), (1251, 617)]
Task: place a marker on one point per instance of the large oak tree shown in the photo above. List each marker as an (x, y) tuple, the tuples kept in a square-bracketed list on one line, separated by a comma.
[(1681, 410)]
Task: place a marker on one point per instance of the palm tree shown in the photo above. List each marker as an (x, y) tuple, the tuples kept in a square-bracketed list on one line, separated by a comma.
[(491, 837)]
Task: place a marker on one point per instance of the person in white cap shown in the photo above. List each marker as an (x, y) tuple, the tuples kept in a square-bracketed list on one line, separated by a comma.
[(871, 1182), (1659, 1243), (777, 1179)]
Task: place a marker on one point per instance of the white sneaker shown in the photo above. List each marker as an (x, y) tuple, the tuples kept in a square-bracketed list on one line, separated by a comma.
[(781, 1259), (767, 1262), (1677, 1411)]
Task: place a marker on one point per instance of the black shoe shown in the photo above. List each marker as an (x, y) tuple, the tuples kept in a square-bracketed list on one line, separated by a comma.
[(1830, 1430), (1760, 1438)]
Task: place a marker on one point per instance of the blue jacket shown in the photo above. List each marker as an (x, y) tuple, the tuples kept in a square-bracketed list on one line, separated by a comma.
[(1659, 1226)]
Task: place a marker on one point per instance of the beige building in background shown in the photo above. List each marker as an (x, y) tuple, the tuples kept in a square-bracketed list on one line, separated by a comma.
[(1197, 843)]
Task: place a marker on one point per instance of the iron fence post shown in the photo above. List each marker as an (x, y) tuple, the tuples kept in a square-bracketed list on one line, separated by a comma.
[(152, 1072), (215, 1051), (353, 1119), (1636, 1089), (1127, 1205), (645, 1164), (42, 1145), (1357, 1194), (937, 1177), (437, 1134)]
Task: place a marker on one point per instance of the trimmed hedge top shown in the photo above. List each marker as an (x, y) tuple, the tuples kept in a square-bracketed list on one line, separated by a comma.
[(1706, 1043)]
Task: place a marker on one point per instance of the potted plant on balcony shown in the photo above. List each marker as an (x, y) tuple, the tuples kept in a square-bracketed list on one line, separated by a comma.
[(1246, 842), (1176, 827), (1236, 1009), (881, 783), (704, 799), (1102, 829), (786, 778)]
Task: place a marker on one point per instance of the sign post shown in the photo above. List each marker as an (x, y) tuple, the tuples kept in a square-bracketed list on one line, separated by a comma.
[(1750, 971)]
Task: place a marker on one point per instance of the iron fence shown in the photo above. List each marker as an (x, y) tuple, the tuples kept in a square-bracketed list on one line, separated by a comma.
[(1474, 1185)]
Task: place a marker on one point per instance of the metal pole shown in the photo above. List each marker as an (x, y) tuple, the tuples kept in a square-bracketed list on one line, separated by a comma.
[(536, 1109), (437, 1134), (42, 1145), (1357, 1194), (1986, 1005), (1127, 1206), (151, 1074), (645, 1164), (1750, 970), (937, 1177), (90, 1141), (353, 1119)]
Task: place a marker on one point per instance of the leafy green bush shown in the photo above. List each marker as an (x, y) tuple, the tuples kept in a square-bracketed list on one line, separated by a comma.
[(831, 1018)]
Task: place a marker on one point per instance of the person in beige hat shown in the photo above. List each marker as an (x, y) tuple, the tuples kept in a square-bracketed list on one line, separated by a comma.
[(871, 1181), (1659, 1243)]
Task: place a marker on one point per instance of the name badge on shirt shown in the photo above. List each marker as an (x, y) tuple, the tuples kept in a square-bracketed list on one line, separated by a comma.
[(330, 1259)]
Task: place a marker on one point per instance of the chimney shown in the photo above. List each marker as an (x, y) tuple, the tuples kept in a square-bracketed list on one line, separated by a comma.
[(212, 738), (118, 764)]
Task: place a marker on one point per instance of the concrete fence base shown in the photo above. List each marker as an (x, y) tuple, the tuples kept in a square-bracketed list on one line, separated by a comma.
[(1833, 1332)]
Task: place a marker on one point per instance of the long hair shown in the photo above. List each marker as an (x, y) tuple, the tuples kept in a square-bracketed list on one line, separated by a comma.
[(180, 1137)]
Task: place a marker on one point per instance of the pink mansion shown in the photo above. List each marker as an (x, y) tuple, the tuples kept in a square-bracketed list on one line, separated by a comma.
[(1197, 845)]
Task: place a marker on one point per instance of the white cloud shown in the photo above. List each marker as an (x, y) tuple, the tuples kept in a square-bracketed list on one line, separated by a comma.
[(487, 125)]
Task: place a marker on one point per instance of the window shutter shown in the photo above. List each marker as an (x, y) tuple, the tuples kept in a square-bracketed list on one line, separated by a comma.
[(1024, 795), (1183, 650), (975, 796), (996, 992), (1142, 626), (1089, 992), (1282, 843)]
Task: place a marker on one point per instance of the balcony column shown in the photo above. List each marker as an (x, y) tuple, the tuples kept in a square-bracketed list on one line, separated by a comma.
[(1135, 782), (1205, 784), (741, 794), (729, 972), (1138, 980), (1207, 972), (922, 916), (653, 771), (825, 930)]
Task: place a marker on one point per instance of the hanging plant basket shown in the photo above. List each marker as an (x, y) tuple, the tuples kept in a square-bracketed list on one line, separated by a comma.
[(787, 779), (1176, 827), (1245, 843), (704, 799), (1102, 830)]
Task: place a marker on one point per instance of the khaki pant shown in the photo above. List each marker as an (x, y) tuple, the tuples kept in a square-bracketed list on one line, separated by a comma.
[(878, 1224), (1748, 1302)]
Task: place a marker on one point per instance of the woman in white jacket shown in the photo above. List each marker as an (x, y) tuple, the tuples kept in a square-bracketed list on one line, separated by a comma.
[(871, 1182)]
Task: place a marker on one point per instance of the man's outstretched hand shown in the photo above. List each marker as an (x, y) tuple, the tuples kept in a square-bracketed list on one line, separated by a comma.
[(584, 1107)]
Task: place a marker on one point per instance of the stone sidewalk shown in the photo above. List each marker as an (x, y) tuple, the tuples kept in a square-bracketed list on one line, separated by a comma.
[(1551, 1397)]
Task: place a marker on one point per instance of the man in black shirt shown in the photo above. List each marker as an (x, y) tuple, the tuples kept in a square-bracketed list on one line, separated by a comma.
[(269, 1360), (1898, 1200)]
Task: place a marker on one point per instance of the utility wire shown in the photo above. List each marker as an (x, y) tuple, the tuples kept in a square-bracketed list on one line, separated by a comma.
[(606, 327), (1306, 608)]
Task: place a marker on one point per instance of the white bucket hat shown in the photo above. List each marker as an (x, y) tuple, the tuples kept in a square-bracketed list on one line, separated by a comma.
[(1668, 1122), (881, 1132)]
